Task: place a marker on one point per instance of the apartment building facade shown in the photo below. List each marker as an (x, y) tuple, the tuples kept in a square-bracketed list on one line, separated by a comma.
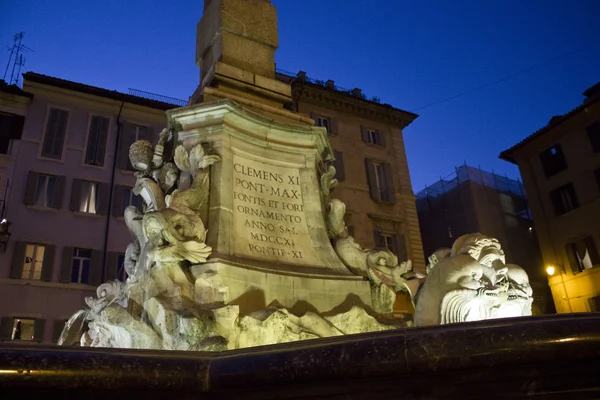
[(70, 182), (560, 168)]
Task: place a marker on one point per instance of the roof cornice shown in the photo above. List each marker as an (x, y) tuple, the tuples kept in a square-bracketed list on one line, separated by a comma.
[(345, 102)]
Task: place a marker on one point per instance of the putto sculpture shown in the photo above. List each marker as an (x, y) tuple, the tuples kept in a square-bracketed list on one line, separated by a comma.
[(471, 282)]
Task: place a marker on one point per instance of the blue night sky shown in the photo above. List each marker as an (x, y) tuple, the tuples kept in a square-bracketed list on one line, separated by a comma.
[(408, 53)]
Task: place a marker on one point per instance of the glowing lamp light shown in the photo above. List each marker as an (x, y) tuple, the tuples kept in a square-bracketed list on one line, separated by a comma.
[(550, 270)]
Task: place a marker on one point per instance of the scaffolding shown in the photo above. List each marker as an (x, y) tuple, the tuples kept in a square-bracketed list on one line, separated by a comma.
[(465, 173)]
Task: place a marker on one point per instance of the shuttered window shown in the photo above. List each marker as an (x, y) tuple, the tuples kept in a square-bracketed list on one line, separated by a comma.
[(96, 145), (372, 136), (23, 329), (32, 261), (56, 129), (380, 181), (90, 197), (340, 173), (43, 190), (81, 266)]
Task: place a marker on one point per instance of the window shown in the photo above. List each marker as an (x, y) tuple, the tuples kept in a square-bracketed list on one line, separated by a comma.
[(564, 199), (338, 163), (89, 197), (326, 122), (379, 178), (121, 274), (96, 146), (45, 190), (34, 260), (56, 128), (593, 132), (582, 255), (23, 329), (372, 136), (81, 262), (391, 241), (323, 122), (11, 127), (553, 160), (594, 303)]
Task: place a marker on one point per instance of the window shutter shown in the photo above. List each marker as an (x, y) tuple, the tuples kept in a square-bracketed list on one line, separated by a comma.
[(90, 153), (371, 179), (103, 124), (76, 195), (48, 263), (38, 329), (66, 267), (117, 207), (103, 198), (364, 134), (59, 190), (381, 138), (389, 183), (57, 328), (96, 268), (6, 327), (378, 241), (593, 252), (339, 165), (16, 269), (112, 268), (333, 128), (402, 254), (123, 153), (31, 188), (573, 262)]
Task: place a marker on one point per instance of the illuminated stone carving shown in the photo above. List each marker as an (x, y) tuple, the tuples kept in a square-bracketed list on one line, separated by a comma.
[(471, 283), (175, 298)]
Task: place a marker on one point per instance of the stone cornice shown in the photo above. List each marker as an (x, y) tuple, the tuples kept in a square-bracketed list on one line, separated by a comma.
[(315, 94)]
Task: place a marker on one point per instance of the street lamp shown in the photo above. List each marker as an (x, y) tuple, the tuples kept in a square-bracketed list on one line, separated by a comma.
[(4, 234), (551, 270)]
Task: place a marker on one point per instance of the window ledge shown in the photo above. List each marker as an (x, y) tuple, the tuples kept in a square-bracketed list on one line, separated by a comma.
[(39, 208), (56, 160), (380, 146), (85, 214), (93, 166)]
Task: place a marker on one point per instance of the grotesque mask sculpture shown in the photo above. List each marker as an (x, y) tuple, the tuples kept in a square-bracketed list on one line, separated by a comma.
[(471, 283)]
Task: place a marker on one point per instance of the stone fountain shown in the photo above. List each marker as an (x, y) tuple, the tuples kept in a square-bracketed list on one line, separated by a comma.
[(241, 243)]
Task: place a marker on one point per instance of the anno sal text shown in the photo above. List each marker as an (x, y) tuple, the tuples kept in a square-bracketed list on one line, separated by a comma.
[(269, 203)]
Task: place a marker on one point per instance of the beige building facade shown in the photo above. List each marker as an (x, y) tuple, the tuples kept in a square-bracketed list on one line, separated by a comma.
[(560, 168)]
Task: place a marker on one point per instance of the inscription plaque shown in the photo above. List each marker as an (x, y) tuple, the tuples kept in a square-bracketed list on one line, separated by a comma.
[(269, 218)]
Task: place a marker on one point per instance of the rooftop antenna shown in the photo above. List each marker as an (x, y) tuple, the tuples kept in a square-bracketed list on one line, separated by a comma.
[(16, 58)]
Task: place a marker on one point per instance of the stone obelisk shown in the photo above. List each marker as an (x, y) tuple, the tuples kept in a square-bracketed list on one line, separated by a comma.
[(266, 222)]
